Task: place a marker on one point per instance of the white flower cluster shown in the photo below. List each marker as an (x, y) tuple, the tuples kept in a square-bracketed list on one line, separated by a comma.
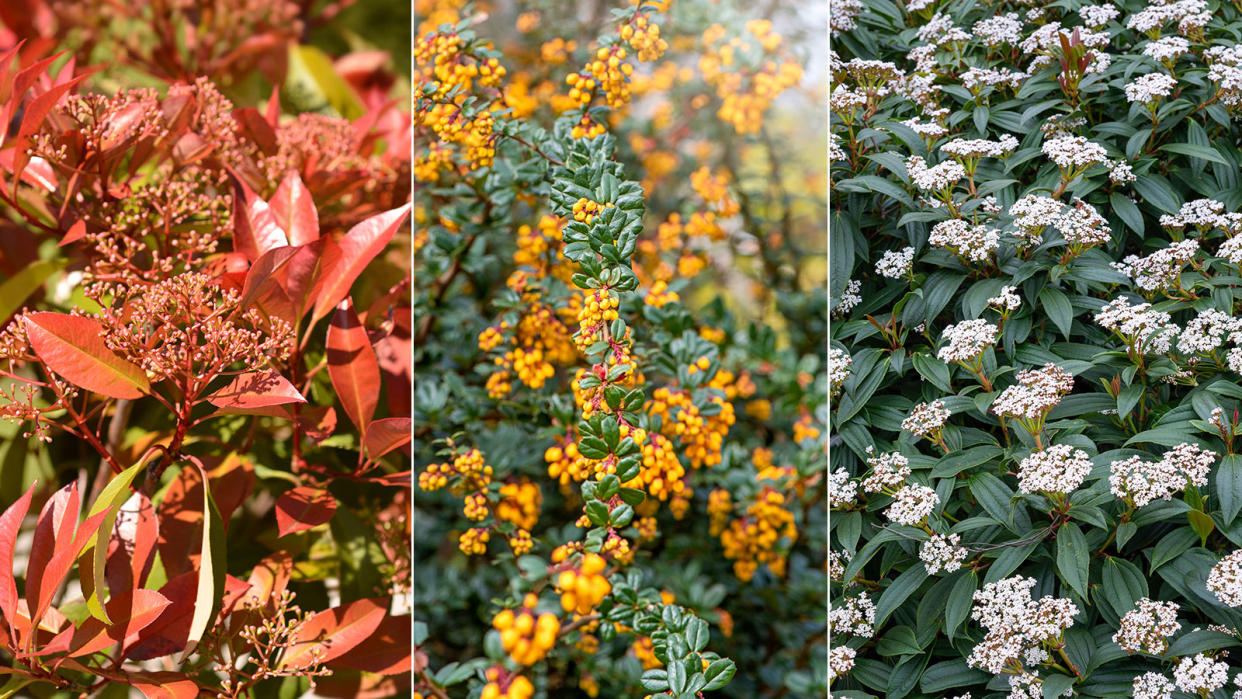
[(973, 243), (1208, 331), (926, 418), (1015, 622), (1225, 580), (942, 552), (1147, 89), (835, 153), (1082, 226), (1152, 685), (839, 364), (1200, 674), (1225, 70), (895, 264), (844, 15), (940, 30), (888, 470), (837, 561), (1166, 48), (856, 617), (926, 129), (1031, 215), (1231, 250), (974, 78), (1160, 270), (840, 661), (841, 490), (967, 340), (1234, 360), (980, 147), (1203, 214), (1188, 14), (1058, 469), (936, 178), (849, 298), (1147, 627), (1037, 392), (1074, 153), (1000, 30), (1119, 172), (1147, 330), (1145, 481), (912, 504), (1096, 16), (1007, 299)]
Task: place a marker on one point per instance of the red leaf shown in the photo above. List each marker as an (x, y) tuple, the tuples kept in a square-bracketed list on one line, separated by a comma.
[(32, 120), (387, 434), (255, 389), (263, 270), (318, 422), (47, 573), (269, 578), (75, 233), (255, 228), (334, 632), (386, 652), (131, 550), (73, 347), (232, 480), (358, 247), (163, 685), (352, 366), (131, 612), (295, 211), (397, 480), (10, 523), (169, 632), (309, 268), (181, 518), (303, 508)]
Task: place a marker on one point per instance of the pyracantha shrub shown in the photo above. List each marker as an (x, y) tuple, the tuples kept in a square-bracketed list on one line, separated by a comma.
[(619, 331), (1034, 248), (204, 358)]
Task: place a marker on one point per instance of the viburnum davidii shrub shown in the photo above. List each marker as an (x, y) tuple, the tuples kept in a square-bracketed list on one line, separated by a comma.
[(619, 328), (204, 361), (1036, 349)]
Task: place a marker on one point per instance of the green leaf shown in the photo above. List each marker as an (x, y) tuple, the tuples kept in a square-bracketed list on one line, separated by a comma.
[(211, 570), (1055, 684), (95, 586), (1229, 487), (1056, 304), (958, 461), (1202, 523), (1157, 191), (898, 592), (1073, 557), (313, 85), (950, 674), (17, 288), (719, 674), (1127, 212), (697, 634), (960, 599), (932, 369), (1195, 151)]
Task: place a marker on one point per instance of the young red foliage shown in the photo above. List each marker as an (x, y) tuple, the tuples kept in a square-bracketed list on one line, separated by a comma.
[(73, 347), (352, 366), (303, 508), (333, 632)]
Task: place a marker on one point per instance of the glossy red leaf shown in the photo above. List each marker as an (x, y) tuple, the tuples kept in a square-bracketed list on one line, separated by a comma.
[(232, 480), (334, 632), (256, 389), (357, 248), (262, 274), (255, 230), (269, 578), (295, 211), (131, 550), (75, 233), (303, 508), (181, 518), (385, 652), (403, 479), (309, 268), (55, 525), (352, 366), (318, 422), (10, 523), (32, 121), (131, 611), (73, 347), (41, 588), (170, 630), (163, 685), (387, 434)]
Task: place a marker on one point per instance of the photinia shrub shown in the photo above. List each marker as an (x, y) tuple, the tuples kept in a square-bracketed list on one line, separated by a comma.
[(1035, 349), (204, 355), (618, 337)]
